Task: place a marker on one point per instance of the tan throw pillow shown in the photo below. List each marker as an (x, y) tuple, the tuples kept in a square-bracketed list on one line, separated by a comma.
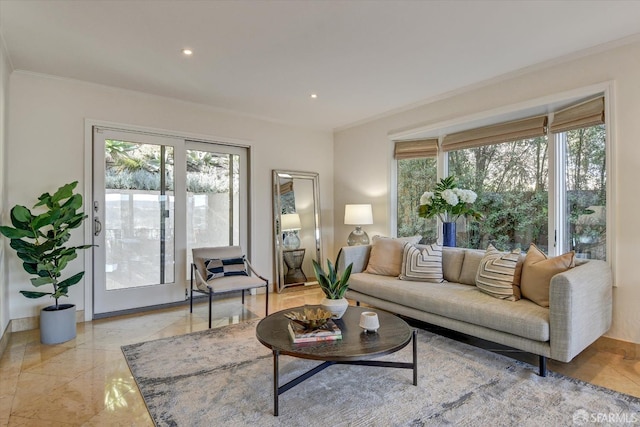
[(386, 255), (422, 263), (495, 273), (537, 271)]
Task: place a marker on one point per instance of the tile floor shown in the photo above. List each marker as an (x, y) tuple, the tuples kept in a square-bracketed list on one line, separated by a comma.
[(86, 381)]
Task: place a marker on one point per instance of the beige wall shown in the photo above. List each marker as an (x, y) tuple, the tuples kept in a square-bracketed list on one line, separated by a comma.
[(5, 70), (368, 179), (47, 140)]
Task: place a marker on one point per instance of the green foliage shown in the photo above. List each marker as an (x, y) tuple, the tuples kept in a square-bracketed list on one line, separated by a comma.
[(333, 286), (511, 181), (413, 176), (448, 202), (39, 239)]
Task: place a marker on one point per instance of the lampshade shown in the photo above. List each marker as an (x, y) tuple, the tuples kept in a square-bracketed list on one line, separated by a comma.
[(358, 214), (291, 222)]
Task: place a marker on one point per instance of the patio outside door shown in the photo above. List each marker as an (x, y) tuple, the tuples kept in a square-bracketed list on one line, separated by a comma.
[(155, 198)]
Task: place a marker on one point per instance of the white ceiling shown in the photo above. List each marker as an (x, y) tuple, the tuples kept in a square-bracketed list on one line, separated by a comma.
[(264, 58)]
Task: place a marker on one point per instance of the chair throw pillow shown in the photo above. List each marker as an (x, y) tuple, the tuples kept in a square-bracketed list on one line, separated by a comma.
[(495, 273), (422, 263), (386, 255), (537, 271), (224, 267)]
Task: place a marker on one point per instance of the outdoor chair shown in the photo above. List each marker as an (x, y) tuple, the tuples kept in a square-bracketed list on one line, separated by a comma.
[(218, 270)]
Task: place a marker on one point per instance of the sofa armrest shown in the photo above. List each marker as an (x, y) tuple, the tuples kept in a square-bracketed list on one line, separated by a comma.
[(358, 255), (580, 308)]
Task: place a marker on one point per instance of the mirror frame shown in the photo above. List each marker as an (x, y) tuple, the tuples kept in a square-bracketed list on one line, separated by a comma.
[(278, 245)]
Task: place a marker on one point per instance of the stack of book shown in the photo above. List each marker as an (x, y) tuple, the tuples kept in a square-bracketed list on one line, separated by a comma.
[(329, 332)]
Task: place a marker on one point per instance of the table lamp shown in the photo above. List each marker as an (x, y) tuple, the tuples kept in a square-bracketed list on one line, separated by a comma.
[(290, 224), (358, 215)]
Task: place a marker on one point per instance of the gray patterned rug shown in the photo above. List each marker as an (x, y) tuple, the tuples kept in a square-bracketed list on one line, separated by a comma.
[(223, 377)]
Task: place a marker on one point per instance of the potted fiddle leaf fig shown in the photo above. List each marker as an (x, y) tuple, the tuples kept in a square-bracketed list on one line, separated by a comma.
[(334, 287), (39, 239)]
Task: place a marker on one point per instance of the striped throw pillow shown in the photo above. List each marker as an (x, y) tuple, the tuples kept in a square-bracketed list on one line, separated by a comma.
[(223, 267), (422, 263), (496, 271)]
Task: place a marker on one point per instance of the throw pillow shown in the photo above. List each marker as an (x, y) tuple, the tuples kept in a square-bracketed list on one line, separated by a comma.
[(386, 255), (496, 271), (516, 278), (422, 263), (537, 271), (224, 267)]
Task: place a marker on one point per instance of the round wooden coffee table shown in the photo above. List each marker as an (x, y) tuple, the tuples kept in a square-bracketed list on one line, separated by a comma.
[(355, 348)]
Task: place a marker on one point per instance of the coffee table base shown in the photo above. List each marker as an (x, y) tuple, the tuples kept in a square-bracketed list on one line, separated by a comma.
[(279, 389)]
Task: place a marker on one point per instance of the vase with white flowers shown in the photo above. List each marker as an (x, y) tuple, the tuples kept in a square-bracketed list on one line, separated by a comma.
[(448, 202)]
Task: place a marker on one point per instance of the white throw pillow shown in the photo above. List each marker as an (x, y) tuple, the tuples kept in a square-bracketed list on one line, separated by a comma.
[(422, 263), (496, 271)]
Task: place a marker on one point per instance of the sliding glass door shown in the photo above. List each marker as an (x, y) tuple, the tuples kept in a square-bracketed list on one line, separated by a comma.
[(155, 198), (216, 196)]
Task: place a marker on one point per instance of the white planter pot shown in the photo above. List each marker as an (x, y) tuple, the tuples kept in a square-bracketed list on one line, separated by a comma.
[(337, 307), (57, 326)]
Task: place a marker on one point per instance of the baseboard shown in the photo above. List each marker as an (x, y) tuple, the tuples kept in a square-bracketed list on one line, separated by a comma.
[(4, 341), (628, 350), (31, 323)]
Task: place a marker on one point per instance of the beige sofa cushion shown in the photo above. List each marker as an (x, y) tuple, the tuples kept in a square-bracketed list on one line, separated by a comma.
[(472, 259), (461, 302), (452, 260), (386, 255)]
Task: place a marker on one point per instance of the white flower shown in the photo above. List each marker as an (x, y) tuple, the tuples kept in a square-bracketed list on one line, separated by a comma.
[(426, 198), (450, 197), (465, 196), (471, 196)]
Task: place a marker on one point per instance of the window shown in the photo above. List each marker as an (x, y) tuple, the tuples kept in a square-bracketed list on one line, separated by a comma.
[(586, 192), (508, 165), (416, 170), (414, 175), (511, 180)]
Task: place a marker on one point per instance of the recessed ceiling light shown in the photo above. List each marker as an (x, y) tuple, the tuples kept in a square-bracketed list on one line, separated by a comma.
[(187, 52), (314, 95)]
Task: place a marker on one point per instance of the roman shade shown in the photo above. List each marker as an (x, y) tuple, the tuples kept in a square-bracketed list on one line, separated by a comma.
[(582, 115), (494, 134), (416, 148)]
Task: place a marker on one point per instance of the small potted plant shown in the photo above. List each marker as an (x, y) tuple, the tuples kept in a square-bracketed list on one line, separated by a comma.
[(39, 239), (334, 288)]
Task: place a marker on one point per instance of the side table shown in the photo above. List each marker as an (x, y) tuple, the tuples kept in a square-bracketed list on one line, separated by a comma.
[(293, 259)]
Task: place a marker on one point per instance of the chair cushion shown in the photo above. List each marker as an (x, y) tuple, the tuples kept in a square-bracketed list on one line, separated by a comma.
[(234, 283), (224, 267), (422, 263)]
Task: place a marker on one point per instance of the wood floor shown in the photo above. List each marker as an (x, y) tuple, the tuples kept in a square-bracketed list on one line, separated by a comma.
[(86, 381)]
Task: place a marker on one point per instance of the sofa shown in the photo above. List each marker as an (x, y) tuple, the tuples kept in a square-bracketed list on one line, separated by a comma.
[(578, 313)]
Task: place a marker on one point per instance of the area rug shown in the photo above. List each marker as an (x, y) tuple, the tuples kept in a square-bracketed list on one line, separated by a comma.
[(223, 377)]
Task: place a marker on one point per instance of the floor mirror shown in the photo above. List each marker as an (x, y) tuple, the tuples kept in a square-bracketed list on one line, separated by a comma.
[(296, 225)]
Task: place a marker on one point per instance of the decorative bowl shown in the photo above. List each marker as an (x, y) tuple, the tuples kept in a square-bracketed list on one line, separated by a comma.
[(309, 318)]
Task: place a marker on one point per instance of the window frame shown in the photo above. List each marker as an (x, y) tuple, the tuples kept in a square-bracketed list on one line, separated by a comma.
[(547, 104)]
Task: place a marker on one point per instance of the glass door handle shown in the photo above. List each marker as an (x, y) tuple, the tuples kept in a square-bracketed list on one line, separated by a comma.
[(97, 226)]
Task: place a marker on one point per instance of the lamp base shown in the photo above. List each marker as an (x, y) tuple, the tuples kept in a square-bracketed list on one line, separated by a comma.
[(358, 237), (291, 240)]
